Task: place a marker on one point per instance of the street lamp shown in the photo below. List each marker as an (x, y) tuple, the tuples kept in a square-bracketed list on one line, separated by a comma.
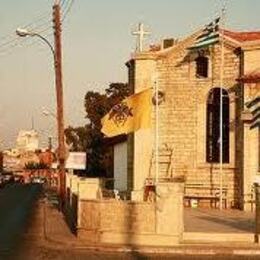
[(24, 33), (57, 57)]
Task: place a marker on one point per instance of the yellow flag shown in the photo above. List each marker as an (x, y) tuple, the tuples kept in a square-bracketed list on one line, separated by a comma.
[(130, 115)]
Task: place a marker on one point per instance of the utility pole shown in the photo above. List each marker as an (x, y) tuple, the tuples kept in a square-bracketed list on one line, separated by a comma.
[(59, 96)]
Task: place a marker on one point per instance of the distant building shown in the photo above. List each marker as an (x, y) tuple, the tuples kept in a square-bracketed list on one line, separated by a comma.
[(27, 141)]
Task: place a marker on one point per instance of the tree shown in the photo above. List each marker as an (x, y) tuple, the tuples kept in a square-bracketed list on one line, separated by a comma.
[(97, 105), (76, 137), (89, 137)]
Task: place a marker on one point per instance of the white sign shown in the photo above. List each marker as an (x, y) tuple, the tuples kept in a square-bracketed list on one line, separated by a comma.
[(75, 161)]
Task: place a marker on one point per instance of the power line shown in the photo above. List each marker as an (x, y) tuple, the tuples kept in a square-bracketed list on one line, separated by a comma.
[(33, 25), (13, 41), (66, 12), (37, 19), (22, 43)]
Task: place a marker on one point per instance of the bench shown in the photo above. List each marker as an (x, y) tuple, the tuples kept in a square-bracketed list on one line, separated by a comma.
[(197, 192)]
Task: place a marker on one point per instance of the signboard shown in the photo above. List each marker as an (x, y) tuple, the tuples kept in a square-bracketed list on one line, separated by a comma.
[(75, 161)]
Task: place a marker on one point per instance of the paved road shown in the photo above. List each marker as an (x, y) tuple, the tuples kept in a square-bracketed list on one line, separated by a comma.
[(15, 206), (35, 247)]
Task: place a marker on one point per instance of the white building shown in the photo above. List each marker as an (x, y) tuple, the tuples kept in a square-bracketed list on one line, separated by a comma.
[(27, 141)]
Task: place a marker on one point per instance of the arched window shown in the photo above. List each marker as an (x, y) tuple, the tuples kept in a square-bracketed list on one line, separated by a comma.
[(213, 126), (202, 66)]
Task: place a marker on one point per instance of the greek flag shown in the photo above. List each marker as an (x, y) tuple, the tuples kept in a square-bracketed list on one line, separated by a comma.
[(254, 108), (209, 35)]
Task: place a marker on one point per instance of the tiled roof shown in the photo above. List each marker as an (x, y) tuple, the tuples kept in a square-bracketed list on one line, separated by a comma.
[(243, 36), (240, 37), (251, 77)]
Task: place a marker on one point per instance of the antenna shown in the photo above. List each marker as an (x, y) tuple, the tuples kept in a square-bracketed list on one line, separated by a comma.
[(32, 122)]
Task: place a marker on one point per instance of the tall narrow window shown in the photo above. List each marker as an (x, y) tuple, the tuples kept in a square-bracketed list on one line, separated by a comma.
[(202, 66), (213, 126)]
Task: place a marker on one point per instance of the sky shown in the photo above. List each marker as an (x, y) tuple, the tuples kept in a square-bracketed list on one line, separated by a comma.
[(97, 42)]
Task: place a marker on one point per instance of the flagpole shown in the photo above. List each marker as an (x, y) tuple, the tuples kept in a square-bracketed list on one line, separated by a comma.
[(221, 111), (156, 94)]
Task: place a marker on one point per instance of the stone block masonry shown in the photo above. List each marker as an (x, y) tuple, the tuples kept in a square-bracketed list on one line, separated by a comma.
[(134, 223), (183, 115)]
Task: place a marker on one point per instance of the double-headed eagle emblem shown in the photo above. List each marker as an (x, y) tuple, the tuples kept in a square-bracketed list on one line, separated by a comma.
[(120, 113)]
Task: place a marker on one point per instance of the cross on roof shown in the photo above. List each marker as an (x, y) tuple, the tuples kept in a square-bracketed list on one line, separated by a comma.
[(140, 33)]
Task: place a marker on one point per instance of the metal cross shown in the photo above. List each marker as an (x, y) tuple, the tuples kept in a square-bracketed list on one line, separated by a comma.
[(140, 33)]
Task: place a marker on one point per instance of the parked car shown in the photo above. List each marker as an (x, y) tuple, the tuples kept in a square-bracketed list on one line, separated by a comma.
[(7, 177), (18, 178), (39, 180)]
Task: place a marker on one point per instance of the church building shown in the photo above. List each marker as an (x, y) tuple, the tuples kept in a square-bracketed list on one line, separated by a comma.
[(201, 88)]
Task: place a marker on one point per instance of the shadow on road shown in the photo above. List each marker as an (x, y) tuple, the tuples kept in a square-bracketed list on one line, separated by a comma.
[(16, 204)]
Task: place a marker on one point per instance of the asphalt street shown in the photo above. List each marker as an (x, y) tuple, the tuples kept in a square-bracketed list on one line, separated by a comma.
[(16, 202)]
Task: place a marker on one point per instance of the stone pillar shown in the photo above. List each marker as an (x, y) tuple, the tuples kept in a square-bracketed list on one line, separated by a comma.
[(144, 69), (169, 210), (89, 189)]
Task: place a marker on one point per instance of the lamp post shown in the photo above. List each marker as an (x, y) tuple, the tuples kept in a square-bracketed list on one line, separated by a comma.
[(24, 33), (57, 56)]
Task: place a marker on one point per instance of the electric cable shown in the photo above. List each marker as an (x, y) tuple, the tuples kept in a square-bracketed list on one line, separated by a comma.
[(66, 12), (14, 41)]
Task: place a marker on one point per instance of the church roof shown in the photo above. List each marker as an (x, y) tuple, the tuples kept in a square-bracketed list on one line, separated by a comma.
[(251, 77), (243, 36), (239, 38)]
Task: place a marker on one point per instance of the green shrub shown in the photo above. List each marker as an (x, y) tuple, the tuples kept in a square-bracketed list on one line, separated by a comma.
[(36, 166)]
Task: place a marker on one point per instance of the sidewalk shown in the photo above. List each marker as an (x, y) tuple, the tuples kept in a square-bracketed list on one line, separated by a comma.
[(57, 234)]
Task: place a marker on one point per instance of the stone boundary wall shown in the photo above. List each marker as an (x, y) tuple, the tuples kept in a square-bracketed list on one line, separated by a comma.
[(131, 222), (118, 221), (78, 188), (109, 221)]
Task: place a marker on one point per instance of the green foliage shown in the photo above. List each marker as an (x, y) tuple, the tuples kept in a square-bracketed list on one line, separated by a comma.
[(76, 137), (97, 105), (89, 137), (36, 166)]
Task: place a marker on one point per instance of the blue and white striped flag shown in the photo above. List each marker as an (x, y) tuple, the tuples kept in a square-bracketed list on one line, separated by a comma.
[(254, 108), (210, 35)]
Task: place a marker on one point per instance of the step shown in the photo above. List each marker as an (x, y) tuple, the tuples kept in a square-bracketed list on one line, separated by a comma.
[(208, 237)]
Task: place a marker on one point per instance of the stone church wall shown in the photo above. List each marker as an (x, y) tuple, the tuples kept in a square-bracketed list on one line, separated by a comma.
[(183, 115)]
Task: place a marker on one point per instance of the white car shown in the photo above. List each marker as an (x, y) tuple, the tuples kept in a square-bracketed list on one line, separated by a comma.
[(39, 180)]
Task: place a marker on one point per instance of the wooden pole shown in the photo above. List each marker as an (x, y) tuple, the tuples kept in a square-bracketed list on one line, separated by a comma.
[(156, 131), (59, 97)]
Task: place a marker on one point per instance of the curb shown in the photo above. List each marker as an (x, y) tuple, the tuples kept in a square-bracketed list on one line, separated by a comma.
[(178, 250)]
